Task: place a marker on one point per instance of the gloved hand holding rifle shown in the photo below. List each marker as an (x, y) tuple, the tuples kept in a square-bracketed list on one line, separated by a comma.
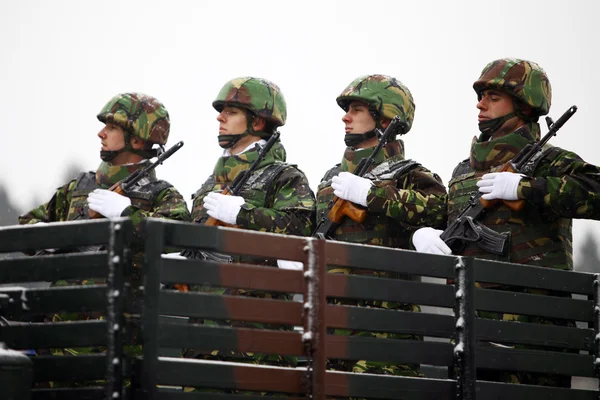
[(346, 207), (112, 202), (494, 189), (223, 208)]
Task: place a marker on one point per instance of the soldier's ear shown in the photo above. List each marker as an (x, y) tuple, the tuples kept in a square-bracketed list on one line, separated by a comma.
[(385, 122), (258, 124), (137, 143)]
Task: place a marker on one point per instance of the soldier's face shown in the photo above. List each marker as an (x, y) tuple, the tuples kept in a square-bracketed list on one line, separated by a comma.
[(358, 119), (232, 121), (494, 104), (112, 137)]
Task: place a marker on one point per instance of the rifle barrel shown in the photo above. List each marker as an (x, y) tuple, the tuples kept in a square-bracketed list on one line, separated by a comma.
[(133, 178)]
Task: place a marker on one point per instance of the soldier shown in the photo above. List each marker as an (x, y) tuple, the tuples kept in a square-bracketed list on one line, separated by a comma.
[(279, 199), (134, 122), (276, 198), (399, 195), (512, 94)]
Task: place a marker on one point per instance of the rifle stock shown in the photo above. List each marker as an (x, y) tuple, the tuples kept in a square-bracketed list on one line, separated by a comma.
[(232, 190), (343, 208), (515, 205), (521, 159), (117, 188), (210, 221), (181, 287)]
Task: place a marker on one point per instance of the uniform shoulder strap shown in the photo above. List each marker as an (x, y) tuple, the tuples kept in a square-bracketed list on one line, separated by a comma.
[(84, 184), (331, 173), (463, 168)]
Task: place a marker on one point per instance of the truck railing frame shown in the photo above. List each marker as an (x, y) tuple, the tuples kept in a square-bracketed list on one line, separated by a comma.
[(29, 310), (465, 341)]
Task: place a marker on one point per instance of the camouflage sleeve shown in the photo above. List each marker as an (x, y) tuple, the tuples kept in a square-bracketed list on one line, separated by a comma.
[(293, 210), (55, 210), (198, 212), (169, 204), (419, 199), (566, 187)]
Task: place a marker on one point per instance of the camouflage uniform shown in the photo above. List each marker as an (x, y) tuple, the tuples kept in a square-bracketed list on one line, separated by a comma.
[(404, 196), (277, 198), (146, 118), (558, 187), (141, 116)]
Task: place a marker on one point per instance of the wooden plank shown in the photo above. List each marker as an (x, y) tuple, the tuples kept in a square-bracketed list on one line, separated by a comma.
[(57, 334), (220, 375), (226, 338), (239, 308)]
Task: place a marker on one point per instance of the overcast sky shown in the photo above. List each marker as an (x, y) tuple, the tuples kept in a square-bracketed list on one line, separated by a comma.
[(63, 60)]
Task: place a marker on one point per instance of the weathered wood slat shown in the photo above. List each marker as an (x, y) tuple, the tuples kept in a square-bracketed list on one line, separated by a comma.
[(239, 308), (226, 338)]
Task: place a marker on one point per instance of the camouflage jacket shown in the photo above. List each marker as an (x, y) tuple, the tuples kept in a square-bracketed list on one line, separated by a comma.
[(557, 187), (278, 198), (405, 196), (150, 197)]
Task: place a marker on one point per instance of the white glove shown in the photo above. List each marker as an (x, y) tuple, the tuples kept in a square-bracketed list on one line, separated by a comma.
[(427, 240), (174, 256), (294, 265), (107, 203), (350, 187), (222, 207), (500, 185)]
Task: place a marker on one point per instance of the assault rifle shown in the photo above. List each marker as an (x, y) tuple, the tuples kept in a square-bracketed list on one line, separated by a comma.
[(122, 186), (232, 190), (467, 228), (240, 180), (343, 208)]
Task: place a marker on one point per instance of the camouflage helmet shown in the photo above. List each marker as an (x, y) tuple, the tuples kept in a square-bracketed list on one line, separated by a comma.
[(143, 116), (386, 96), (260, 96), (522, 79)]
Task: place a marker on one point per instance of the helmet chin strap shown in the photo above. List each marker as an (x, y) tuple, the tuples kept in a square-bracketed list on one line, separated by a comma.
[(228, 141), (109, 155), (354, 139), (490, 126)]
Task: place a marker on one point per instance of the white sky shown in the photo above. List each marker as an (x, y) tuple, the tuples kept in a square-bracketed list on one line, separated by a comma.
[(61, 61)]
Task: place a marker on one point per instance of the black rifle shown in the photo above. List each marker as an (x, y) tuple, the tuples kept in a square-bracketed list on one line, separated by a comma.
[(232, 190), (121, 187), (341, 208), (467, 228), (240, 180)]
